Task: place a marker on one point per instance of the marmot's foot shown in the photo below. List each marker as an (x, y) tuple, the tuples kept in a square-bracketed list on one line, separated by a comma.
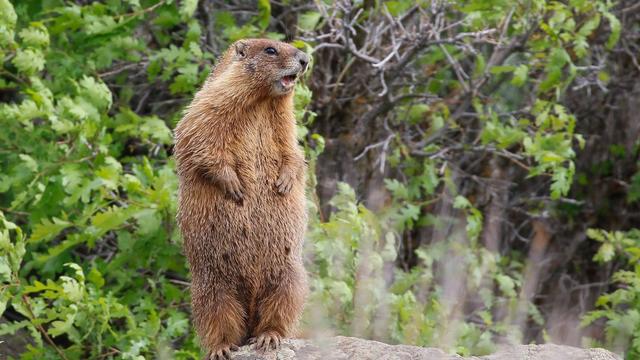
[(222, 352), (266, 341)]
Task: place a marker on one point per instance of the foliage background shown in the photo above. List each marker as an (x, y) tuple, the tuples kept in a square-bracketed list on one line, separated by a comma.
[(475, 170)]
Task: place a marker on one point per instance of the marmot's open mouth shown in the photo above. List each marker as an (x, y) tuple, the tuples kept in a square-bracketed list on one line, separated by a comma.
[(288, 80)]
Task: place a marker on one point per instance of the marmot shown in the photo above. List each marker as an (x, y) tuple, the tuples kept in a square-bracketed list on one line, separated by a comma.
[(242, 207)]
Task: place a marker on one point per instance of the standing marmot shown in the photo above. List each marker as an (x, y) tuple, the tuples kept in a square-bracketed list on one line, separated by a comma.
[(241, 198)]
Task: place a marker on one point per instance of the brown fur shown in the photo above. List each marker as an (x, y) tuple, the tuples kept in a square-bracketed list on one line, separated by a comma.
[(241, 199)]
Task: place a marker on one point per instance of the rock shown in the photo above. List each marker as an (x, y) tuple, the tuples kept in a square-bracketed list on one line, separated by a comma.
[(347, 348)]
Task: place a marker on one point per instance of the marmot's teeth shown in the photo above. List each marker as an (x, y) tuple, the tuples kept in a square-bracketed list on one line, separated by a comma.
[(288, 80)]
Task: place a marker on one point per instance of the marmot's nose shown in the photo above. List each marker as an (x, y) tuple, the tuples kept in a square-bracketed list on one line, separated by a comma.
[(303, 59)]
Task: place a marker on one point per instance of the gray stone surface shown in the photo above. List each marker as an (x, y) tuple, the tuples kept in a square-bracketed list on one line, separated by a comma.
[(343, 348)]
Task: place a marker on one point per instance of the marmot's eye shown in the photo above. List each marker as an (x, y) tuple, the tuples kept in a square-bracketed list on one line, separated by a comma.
[(271, 51)]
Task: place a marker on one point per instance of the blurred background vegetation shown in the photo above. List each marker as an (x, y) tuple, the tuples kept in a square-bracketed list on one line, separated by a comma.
[(474, 170)]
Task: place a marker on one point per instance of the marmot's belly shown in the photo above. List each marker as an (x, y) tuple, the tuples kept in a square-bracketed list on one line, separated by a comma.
[(266, 230)]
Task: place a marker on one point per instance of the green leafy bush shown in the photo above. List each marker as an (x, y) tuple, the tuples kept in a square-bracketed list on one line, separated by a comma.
[(102, 272), (621, 308), (352, 257)]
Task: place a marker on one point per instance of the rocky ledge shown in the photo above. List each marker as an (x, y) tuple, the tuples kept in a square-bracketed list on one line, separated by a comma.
[(348, 348)]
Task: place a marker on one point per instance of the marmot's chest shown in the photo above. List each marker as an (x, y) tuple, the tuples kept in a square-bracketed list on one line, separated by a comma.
[(263, 153)]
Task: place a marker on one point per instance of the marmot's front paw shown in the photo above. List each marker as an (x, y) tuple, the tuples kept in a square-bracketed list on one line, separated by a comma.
[(231, 185), (285, 181), (269, 340), (222, 352)]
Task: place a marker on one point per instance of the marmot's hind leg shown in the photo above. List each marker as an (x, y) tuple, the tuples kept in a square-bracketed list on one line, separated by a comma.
[(219, 319), (279, 310)]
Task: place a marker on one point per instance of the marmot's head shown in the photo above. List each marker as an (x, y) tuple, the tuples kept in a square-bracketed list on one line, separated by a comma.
[(269, 65)]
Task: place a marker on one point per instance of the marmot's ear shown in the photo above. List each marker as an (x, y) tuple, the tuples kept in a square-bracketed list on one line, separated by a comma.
[(241, 50)]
